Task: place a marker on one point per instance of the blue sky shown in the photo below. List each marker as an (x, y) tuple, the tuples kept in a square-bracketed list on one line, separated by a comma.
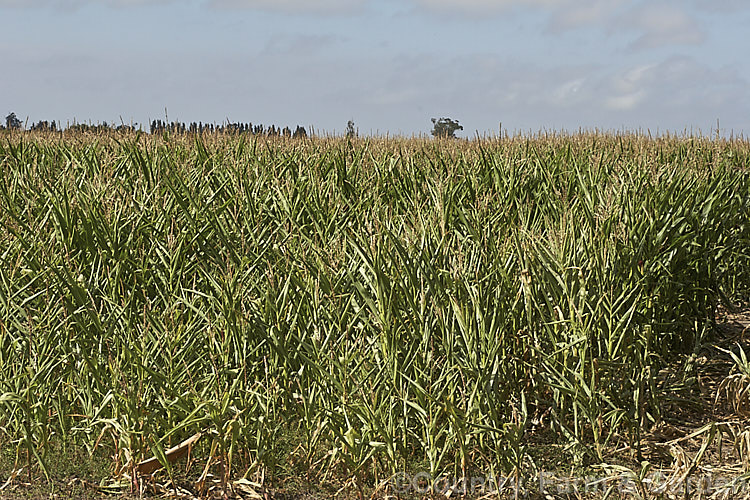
[(388, 65)]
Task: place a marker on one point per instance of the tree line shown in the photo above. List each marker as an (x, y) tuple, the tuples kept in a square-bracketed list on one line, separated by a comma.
[(157, 126), (443, 127), (12, 122)]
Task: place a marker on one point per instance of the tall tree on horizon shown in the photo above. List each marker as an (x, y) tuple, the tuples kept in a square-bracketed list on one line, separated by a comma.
[(12, 121)]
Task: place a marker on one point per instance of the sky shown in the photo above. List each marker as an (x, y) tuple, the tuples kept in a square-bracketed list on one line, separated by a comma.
[(388, 65)]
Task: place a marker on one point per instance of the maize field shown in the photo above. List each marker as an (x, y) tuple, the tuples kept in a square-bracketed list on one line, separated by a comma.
[(346, 310)]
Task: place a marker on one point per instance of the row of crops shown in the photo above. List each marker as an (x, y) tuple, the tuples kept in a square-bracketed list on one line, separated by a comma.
[(350, 309)]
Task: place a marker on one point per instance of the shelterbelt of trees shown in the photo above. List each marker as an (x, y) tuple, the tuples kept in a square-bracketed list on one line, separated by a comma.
[(12, 122)]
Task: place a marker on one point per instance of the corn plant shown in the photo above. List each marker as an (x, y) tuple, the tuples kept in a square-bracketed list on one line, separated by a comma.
[(350, 310)]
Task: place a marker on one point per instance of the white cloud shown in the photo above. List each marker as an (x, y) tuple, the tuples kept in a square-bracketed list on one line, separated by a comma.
[(581, 15), (722, 5), (28, 3), (63, 5), (488, 5), (660, 25), (631, 87), (653, 24), (677, 92), (292, 6), (570, 92), (289, 6), (292, 46), (475, 8), (575, 13), (625, 102), (650, 23), (632, 79)]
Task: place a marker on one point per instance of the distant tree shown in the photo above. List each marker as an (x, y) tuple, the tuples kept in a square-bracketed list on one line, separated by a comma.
[(12, 121), (445, 127), (350, 130), (300, 132), (43, 126)]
